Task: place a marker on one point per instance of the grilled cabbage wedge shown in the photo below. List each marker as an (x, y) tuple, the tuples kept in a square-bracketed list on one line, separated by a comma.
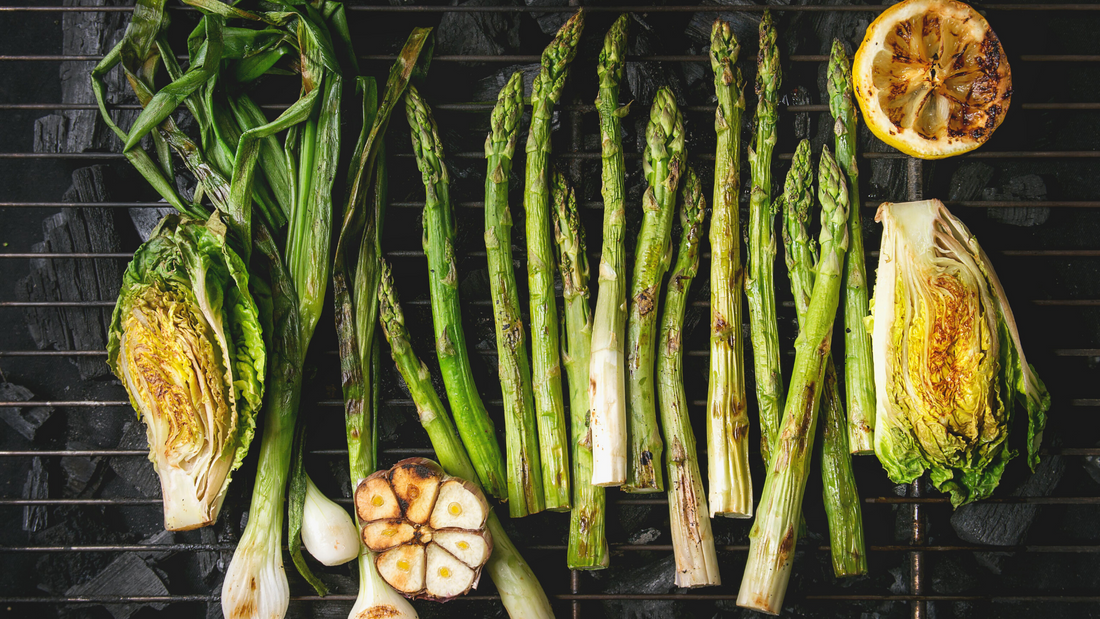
[(949, 366), (186, 342)]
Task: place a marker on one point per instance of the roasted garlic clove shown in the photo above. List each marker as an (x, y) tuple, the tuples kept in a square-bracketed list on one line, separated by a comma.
[(429, 529)]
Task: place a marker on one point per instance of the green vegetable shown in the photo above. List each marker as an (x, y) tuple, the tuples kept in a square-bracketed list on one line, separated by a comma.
[(692, 538), (587, 544), (519, 590), (186, 342), (760, 279), (525, 493), (607, 378), (839, 484), (728, 481), (546, 363), (859, 378), (949, 365), (474, 425), (774, 532), (663, 163)]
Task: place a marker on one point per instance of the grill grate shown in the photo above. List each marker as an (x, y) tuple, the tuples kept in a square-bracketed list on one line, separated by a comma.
[(1050, 272)]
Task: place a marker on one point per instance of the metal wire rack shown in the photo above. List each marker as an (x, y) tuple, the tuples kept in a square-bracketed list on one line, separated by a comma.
[(1051, 275)]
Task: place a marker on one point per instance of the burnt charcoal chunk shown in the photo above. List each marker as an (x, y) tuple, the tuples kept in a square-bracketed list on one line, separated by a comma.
[(968, 182), (37, 486), (145, 219), (24, 420), (1029, 187), (128, 575), (81, 472), (745, 26), (1006, 524), (549, 22), (478, 33), (644, 79), (136, 469)]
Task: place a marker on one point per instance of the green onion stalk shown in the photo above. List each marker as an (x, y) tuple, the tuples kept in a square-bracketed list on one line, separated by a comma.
[(607, 377), (663, 163), (839, 491), (859, 372), (474, 425), (692, 538), (587, 543), (760, 279), (545, 355), (356, 299), (729, 484), (524, 469), (519, 589), (774, 533)]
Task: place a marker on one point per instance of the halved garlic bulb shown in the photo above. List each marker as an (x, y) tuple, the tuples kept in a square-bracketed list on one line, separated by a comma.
[(427, 528)]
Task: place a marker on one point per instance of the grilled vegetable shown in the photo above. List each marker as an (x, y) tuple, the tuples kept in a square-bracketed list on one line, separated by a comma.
[(775, 531), (474, 425), (729, 486), (663, 163), (525, 493), (545, 349), (607, 390), (186, 342), (587, 544), (760, 279), (859, 376), (949, 365), (838, 481), (327, 530), (692, 539), (428, 528), (932, 79), (519, 590)]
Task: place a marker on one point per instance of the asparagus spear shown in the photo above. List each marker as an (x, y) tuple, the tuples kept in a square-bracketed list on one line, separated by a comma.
[(607, 386), (760, 281), (662, 163), (775, 532), (728, 482), (587, 544), (839, 483), (546, 364), (692, 539), (519, 589), (474, 425), (859, 377), (525, 493)]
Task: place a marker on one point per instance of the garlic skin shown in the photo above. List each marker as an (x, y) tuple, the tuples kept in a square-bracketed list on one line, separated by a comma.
[(328, 532)]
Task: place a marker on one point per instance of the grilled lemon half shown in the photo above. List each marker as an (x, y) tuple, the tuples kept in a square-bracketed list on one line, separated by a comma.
[(931, 78)]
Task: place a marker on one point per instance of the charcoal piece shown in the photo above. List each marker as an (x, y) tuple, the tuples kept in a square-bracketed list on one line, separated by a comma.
[(745, 26), (206, 562), (145, 219), (136, 469), (75, 526), (803, 121), (24, 420), (549, 22), (654, 577), (1092, 466), (90, 230), (951, 577), (847, 26), (37, 486), (80, 471), (969, 180), (645, 536), (128, 575), (160, 538), (644, 79), (478, 33), (51, 134), (1006, 524), (1029, 187)]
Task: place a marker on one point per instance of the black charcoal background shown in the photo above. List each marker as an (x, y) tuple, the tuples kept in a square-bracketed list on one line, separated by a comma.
[(1007, 234)]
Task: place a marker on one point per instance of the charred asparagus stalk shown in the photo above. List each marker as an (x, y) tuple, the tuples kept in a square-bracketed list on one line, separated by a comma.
[(859, 373), (525, 492), (662, 163), (692, 539), (729, 485), (474, 425), (519, 589), (839, 482), (607, 390), (760, 282), (546, 363), (587, 544), (774, 534)]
